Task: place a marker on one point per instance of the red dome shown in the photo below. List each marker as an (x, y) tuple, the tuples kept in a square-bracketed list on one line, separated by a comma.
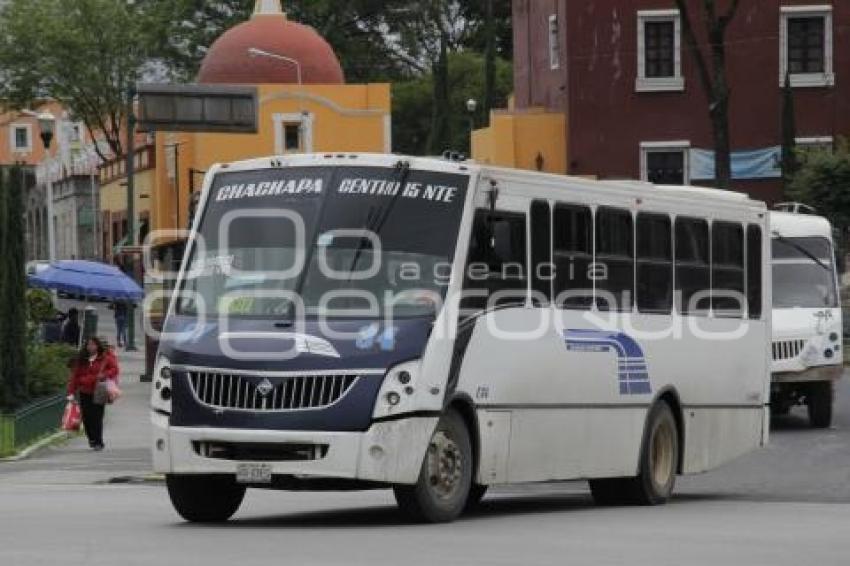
[(229, 62)]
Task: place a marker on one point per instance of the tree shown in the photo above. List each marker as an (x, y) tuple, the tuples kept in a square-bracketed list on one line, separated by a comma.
[(13, 334), (413, 102), (5, 393), (713, 76), (789, 133), (84, 54), (823, 181)]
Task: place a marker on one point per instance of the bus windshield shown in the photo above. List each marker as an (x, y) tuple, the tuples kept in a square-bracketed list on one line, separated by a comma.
[(325, 241), (803, 273)]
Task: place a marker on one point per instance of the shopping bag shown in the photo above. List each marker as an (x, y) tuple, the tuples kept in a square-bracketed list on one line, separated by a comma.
[(101, 393), (113, 392), (72, 418)]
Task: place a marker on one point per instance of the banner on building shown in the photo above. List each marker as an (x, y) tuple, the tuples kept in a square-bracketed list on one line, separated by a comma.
[(763, 163)]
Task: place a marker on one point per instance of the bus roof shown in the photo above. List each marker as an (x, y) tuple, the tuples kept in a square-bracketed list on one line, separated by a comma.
[(791, 225), (641, 188)]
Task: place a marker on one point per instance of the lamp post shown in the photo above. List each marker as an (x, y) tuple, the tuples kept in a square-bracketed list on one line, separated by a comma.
[(255, 52), (131, 208), (471, 108), (47, 126)]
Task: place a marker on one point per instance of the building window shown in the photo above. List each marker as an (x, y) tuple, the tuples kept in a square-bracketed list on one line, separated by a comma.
[(21, 138), (293, 133), (291, 138), (659, 51), (806, 46), (665, 163), (554, 43)]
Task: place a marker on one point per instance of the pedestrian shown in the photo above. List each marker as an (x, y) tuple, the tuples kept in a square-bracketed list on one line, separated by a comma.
[(120, 309), (95, 363), (71, 328)]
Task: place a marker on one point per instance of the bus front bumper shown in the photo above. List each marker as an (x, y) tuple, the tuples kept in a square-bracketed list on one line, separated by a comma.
[(388, 452), (816, 373)]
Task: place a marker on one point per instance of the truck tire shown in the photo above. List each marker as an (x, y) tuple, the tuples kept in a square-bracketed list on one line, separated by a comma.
[(819, 404), (204, 498), (442, 490), (659, 459)]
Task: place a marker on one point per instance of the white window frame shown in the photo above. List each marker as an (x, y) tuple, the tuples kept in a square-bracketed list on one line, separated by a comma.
[(683, 146), (826, 142), (13, 138), (304, 120), (554, 30), (807, 80), (643, 83)]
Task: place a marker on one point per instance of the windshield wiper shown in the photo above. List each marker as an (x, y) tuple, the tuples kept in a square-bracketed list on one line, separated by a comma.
[(381, 217), (802, 250)]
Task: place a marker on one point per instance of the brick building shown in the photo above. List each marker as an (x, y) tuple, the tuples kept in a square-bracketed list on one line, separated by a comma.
[(624, 84)]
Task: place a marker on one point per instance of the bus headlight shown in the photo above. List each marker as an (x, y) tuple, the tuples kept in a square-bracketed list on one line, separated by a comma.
[(398, 392), (161, 390)]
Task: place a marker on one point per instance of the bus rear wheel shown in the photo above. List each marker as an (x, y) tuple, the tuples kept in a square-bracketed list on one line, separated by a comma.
[(203, 498), (659, 460), (819, 404), (441, 492)]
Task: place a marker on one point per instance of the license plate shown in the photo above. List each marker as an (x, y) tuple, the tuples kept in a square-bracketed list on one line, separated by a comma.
[(253, 473)]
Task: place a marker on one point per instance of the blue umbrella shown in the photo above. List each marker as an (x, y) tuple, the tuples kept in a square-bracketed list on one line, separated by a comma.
[(88, 278)]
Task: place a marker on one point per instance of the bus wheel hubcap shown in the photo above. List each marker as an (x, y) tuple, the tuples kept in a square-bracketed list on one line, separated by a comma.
[(662, 455), (445, 465)]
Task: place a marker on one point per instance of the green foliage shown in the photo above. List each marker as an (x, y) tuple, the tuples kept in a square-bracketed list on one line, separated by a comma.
[(39, 306), (6, 396), (823, 181), (47, 369), (13, 335), (413, 103)]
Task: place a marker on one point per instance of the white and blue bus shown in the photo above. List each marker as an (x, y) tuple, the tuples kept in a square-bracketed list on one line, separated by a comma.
[(437, 327), (807, 328)]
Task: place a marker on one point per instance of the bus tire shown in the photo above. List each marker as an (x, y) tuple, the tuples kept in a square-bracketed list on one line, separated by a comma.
[(445, 478), (659, 459), (819, 404), (204, 498)]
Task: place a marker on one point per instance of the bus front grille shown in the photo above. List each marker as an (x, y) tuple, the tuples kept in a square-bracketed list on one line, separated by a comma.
[(787, 349), (257, 393)]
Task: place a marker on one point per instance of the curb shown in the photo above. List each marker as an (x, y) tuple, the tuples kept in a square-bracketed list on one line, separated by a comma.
[(44, 442)]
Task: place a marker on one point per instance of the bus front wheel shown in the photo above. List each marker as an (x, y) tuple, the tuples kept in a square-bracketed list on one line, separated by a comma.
[(441, 492), (204, 499), (819, 404)]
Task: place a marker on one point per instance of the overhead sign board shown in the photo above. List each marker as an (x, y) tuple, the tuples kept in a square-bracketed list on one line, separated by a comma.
[(197, 108)]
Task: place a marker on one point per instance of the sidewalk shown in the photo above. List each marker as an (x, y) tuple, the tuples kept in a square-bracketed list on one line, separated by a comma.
[(126, 434)]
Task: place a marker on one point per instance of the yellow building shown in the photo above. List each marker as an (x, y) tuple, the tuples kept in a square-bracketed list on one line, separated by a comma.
[(304, 106), (533, 139), (113, 223)]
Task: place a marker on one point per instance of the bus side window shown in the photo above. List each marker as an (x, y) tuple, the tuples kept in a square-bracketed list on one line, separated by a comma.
[(693, 273), (727, 269), (614, 269), (754, 271), (497, 262), (573, 256), (541, 253), (655, 263)]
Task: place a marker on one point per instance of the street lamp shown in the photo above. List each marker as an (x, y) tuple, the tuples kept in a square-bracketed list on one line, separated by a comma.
[(47, 126), (255, 52), (471, 108)]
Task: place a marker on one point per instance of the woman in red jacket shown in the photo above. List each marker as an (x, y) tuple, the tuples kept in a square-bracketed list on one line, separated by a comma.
[(94, 364)]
